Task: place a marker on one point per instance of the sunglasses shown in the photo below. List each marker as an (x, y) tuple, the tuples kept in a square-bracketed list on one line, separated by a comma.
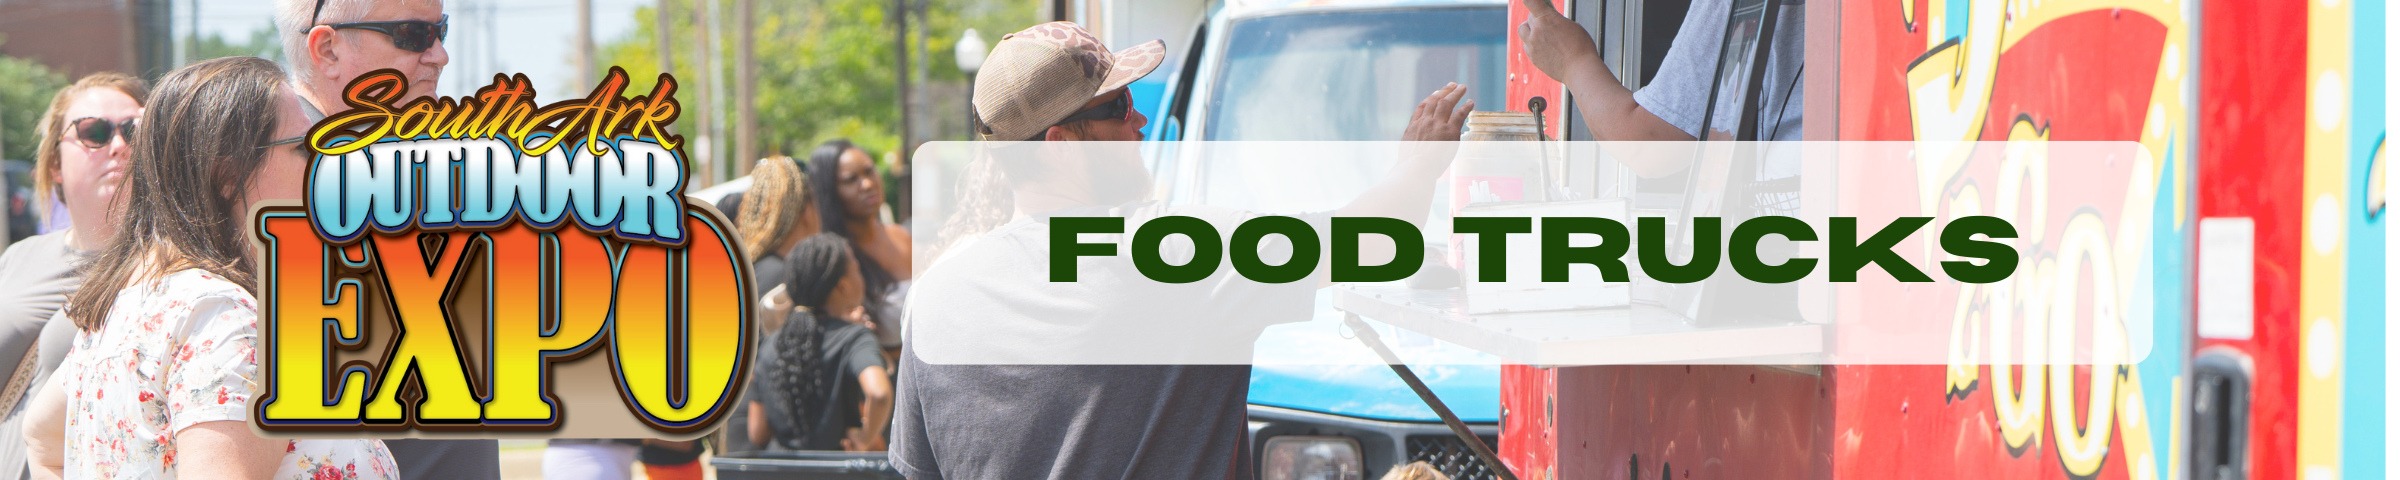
[(1118, 108), (94, 132), (410, 35)]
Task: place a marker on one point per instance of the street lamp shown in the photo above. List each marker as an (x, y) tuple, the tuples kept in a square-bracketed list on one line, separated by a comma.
[(970, 52)]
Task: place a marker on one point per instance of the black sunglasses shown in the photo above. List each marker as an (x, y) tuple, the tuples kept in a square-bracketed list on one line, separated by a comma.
[(94, 132), (1118, 108), (410, 35)]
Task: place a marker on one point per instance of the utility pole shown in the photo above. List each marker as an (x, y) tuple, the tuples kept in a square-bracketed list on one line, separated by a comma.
[(712, 63), (583, 44), (898, 15), (491, 30), (902, 162), (664, 15), (194, 43), (745, 86)]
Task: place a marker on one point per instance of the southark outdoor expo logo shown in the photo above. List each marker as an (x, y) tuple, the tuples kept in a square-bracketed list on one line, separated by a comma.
[(563, 224)]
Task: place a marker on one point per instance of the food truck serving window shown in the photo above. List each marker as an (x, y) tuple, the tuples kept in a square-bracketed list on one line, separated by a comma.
[(1350, 76)]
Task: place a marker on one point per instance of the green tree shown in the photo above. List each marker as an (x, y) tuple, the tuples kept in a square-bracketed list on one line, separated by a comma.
[(825, 67), (262, 44), (25, 90)]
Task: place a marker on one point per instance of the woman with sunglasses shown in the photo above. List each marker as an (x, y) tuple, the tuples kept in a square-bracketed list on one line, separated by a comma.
[(166, 360), (84, 137)]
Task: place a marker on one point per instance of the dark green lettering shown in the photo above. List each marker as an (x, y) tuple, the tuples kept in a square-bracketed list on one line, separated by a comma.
[(1849, 255), (1707, 232), (1207, 249), (1999, 259), (1408, 250), (1491, 238), (1744, 246), (1247, 238), (1064, 249), (1609, 255)]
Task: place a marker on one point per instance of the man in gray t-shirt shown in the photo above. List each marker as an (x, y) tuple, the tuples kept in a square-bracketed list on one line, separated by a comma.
[(967, 417)]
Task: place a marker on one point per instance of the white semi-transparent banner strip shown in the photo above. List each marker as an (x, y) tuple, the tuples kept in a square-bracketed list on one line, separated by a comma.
[(2080, 291)]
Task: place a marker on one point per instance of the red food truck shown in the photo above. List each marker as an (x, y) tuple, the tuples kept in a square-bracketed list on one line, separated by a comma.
[(2257, 220)]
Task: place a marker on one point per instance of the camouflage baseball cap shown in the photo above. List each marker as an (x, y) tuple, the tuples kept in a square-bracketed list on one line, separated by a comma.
[(1038, 76)]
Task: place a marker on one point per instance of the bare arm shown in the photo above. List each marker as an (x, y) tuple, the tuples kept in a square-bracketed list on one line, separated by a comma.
[(877, 408), (46, 429), (225, 450), (1407, 192), (760, 432), (1564, 51), (905, 243)]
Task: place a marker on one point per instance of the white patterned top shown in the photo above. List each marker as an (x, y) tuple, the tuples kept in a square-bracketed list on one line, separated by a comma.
[(176, 352)]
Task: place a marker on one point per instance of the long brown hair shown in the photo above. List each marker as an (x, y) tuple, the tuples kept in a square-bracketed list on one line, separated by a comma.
[(193, 160), (777, 202), (53, 128)]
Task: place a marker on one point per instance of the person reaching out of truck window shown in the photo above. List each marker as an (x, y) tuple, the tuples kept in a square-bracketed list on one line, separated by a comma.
[(1672, 106), (820, 379)]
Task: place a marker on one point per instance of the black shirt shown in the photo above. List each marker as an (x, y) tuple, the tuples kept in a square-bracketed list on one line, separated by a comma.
[(848, 350)]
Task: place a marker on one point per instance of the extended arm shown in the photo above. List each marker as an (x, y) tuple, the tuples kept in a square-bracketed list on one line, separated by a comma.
[(1564, 51), (1407, 192), (877, 410)]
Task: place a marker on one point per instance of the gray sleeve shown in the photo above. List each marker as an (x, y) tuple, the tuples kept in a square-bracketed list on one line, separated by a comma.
[(862, 352), (58, 336), (1679, 93), (911, 451)]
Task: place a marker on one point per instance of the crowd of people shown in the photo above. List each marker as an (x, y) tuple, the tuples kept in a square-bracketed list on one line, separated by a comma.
[(136, 329)]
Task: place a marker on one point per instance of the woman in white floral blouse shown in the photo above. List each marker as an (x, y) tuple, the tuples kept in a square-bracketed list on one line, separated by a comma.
[(159, 382)]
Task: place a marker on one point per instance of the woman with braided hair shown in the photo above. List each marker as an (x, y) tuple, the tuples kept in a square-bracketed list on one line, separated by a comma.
[(820, 382)]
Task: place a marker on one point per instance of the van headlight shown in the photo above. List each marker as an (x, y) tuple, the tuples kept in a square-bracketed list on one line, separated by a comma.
[(1296, 457)]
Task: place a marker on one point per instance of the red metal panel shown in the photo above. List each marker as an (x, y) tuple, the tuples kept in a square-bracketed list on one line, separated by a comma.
[(1528, 436), (1525, 81), (1650, 422), (1528, 442), (2252, 75)]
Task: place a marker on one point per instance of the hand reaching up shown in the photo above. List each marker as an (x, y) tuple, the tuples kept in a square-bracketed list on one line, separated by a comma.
[(1437, 119), (1557, 45)]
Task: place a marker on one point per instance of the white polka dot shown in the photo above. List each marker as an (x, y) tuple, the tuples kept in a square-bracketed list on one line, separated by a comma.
[(2157, 121), (2322, 347), (2331, 3), (2325, 224), (2171, 63), (2146, 468), (2132, 418), (2332, 102)]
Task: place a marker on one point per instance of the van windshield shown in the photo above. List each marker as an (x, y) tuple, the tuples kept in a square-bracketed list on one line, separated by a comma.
[(1352, 75)]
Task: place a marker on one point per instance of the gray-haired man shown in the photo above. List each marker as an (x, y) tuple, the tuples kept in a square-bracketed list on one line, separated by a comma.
[(327, 43)]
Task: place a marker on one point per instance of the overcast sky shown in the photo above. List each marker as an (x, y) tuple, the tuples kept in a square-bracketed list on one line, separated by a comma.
[(537, 33)]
